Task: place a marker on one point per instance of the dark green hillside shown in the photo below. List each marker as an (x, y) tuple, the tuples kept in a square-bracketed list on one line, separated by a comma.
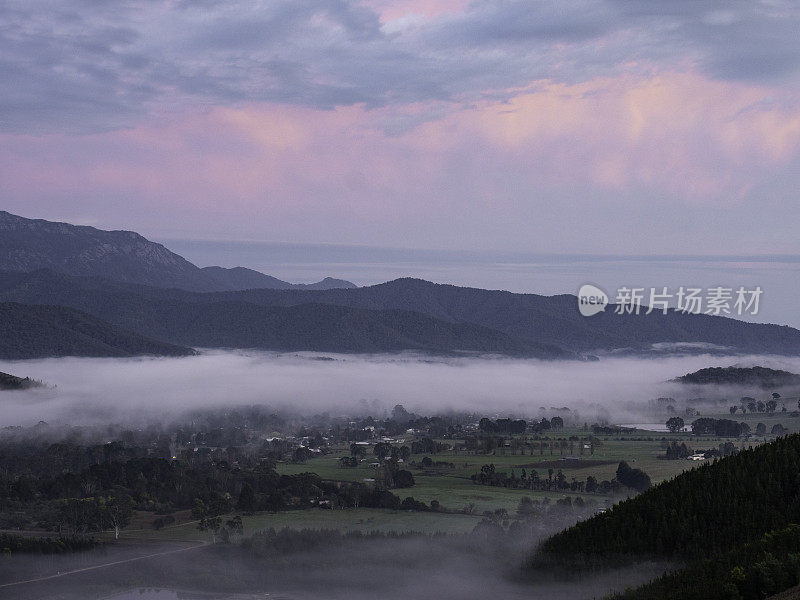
[(12, 382), (752, 376), (749, 572), (703, 512), (43, 331)]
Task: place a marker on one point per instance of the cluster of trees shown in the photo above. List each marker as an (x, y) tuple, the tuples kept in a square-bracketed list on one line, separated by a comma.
[(80, 516), (428, 445), (528, 507), (519, 426), (633, 478), (427, 463), (556, 480), (719, 427), (722, 427), (492, 444), (12, 543), (676, 451), (103, 495), (753, 405)]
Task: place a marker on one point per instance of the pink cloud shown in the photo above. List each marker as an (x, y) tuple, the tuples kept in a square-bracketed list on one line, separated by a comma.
[(390, 10), (672, 138)]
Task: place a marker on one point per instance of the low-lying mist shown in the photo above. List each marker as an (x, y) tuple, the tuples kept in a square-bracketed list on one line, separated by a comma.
[(94, 391), (442, 567)]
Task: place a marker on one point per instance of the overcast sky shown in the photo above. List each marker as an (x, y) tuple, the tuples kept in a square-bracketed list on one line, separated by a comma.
[(588, 126)]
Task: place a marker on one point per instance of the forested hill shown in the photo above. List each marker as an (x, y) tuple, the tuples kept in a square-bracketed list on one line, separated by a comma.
[(726, 521), (45, 331), (762, 377), (702, 512), (545, 321)]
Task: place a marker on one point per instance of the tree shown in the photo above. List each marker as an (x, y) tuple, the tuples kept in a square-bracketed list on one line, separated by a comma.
[(761, 429), (301, 454), (382, 449), (233, 526), (779, 429), (403, 479), (633, 478), (116, 512), (247, 498), (557, 423), (357, 450), (675, 424), (212, 524)]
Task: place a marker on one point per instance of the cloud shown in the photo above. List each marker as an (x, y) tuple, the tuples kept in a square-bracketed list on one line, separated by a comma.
[(93, 67), (541, 170)]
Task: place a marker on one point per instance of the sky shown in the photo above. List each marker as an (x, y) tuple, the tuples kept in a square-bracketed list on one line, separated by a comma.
[(601, 127)]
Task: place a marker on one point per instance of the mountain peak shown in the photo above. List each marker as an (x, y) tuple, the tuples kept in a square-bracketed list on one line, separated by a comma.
[(30, 244)]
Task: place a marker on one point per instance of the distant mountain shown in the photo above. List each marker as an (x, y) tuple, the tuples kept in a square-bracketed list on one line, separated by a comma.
[(12, 382), (30, 244), (328, 328), (329, 283), (762, 377), (198, 320), (44, 331), (546, 322), (548, 319)]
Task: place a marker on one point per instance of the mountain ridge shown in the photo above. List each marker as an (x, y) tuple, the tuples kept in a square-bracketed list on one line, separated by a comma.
[(30, 244), (548, 321)]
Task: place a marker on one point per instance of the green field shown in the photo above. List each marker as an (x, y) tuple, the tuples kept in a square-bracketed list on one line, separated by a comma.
[(464, 502)]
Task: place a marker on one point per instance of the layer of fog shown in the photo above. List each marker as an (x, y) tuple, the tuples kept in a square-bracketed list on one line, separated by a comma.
[(102, 390), (442, 567)]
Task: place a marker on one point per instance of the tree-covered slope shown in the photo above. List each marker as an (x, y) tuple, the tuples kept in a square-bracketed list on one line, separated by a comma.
[(703, 512), (44, 331), (748, 572)]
